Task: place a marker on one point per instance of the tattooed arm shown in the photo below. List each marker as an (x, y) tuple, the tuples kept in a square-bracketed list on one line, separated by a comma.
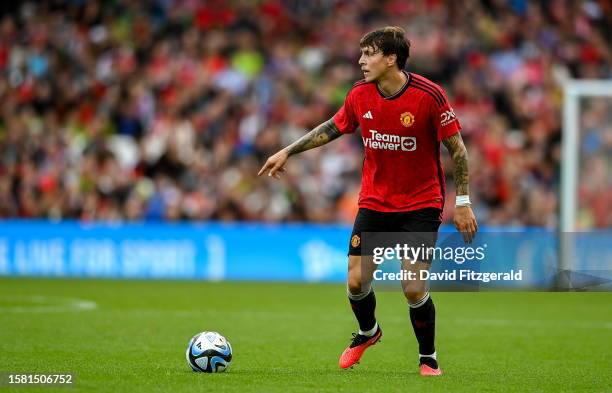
[(458, 152), (464, 219), (320, 135)]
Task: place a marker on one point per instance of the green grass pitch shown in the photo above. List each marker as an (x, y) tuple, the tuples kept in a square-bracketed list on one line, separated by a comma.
[(287, 337)]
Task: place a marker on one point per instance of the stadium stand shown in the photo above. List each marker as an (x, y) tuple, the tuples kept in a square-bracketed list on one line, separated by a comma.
[(165, 111)]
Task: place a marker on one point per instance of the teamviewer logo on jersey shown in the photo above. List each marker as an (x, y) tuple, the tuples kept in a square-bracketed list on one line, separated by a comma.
[(389, 142)]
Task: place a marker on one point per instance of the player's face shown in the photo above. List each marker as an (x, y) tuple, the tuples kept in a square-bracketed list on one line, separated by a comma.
[(373, 63)]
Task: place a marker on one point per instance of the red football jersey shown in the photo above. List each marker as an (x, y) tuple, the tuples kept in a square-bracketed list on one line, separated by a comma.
[(401, 136)]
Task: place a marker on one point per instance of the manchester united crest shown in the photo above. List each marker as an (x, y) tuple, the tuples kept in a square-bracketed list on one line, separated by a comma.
[(355, 241), (407, 119)]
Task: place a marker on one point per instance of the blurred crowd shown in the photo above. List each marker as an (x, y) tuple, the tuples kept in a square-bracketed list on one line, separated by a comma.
[(165, 110)]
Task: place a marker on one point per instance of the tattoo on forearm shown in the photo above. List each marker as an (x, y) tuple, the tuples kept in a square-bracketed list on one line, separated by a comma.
[(320, 135), (458, 152)]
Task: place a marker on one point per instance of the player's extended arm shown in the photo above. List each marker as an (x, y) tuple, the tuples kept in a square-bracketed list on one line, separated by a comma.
[(465, 221), (320, 135)]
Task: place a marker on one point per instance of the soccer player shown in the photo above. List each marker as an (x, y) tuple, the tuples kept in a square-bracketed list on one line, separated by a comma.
[(402, 117)]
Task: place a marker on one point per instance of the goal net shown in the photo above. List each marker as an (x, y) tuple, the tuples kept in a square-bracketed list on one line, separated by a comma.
[(585, 226)]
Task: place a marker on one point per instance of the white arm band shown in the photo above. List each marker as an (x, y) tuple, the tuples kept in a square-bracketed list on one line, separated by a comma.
[(462, 200)]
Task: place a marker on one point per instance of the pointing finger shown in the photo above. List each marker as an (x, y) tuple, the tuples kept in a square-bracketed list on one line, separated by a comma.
[(263, 168)]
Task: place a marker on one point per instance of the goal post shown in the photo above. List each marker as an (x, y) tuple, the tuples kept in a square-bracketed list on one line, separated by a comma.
[(573, 92)]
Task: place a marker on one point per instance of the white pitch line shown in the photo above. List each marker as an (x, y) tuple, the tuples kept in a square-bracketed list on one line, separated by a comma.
[(45, 304)]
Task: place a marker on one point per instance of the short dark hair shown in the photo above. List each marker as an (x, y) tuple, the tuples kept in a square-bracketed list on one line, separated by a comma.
[(390, 40)]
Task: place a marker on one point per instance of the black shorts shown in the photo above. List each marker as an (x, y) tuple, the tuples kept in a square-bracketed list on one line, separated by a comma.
[(418, 228)]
